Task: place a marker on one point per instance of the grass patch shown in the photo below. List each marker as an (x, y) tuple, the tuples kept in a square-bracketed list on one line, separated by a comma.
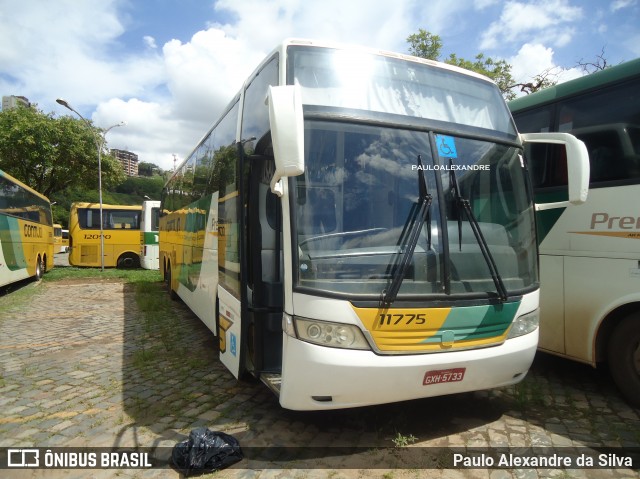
[(126, 275)]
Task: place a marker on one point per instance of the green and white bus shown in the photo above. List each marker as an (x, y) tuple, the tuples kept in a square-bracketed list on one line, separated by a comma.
[(365, 235), (149, 221), (26, 232), (590, 256)]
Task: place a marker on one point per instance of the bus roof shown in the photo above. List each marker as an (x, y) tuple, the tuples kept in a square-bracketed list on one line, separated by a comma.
[(105, 206), (579, 85), (282, 47), (22, 185)]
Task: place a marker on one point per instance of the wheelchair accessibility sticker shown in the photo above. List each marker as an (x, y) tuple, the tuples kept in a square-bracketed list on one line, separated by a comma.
[(446, 146)]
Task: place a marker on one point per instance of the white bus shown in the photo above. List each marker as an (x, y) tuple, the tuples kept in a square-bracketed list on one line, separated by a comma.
[(590, 256), (364, 236), (149, 234)]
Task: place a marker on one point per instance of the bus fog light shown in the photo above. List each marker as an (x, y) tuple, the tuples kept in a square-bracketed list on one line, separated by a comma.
[(525, 324), (287, 325), (334, 335)]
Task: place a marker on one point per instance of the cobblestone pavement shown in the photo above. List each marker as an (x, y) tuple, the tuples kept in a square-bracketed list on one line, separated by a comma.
[(73, 372)]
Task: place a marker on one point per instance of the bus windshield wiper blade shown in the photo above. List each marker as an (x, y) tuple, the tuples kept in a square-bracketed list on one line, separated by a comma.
[(409, 239), (464, 204)]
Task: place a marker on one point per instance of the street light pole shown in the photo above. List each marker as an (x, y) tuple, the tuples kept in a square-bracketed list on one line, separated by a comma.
[(99, 144)]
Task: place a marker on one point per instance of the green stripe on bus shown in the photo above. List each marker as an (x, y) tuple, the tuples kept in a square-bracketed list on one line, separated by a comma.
[(150, 238), (478, 322), (546, 219), (12, 243)]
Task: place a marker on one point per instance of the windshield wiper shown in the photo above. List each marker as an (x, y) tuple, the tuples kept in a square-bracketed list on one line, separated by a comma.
[(409, 239), (464, 204)]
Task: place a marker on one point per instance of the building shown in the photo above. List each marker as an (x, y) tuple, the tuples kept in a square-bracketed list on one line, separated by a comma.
[(11, 101), (129, 161)]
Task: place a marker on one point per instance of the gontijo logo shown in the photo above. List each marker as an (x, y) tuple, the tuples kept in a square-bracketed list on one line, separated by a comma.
[(603, 224)]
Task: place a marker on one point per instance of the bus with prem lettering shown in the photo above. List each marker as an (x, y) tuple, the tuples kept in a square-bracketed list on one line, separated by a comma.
[(121, 230), (590, 256), (26, 232), (366, 234)]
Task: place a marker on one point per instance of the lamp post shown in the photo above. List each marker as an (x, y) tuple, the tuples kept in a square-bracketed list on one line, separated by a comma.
[(100, 141)]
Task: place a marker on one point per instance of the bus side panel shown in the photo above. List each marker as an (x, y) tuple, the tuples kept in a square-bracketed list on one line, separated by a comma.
[(552, 304), (594, 287), (21, 243), (196, 264), (13, 265), (600, 242)]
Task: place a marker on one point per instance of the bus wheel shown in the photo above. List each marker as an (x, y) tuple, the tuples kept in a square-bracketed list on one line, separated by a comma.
[(128, 261), (624, 358), (172, 294), (39, 271)]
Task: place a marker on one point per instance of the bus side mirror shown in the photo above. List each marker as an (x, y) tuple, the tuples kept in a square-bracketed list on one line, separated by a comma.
[(577, 166), (287, 133)]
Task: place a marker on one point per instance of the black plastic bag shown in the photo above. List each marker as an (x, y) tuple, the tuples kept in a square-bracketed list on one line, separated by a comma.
[(205, 451)]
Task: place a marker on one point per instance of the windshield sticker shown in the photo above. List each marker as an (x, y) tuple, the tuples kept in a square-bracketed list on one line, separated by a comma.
[(446, 146)]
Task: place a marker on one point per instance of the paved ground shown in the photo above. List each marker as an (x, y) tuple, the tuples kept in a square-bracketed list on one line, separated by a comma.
[(74, 372)]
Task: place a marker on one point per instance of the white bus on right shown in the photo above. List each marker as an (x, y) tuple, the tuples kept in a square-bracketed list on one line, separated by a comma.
[(590, 255)]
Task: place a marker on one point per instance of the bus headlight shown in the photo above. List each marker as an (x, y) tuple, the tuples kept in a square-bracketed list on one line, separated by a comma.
[(525, 324), (324, 333)]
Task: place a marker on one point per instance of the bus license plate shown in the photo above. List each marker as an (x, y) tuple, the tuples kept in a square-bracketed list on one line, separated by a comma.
[(443, 376)]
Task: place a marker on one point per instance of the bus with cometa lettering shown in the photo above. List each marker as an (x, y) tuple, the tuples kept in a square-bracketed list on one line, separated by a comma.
[(149, 221), (358, 228), (26, 232), (121, 230), (590, 256)]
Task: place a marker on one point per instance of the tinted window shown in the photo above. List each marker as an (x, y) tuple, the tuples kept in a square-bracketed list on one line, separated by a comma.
[(255, 119)]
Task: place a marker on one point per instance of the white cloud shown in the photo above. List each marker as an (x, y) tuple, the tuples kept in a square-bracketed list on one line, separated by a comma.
[(149, 41), (530, 60), (544, 21), (620, 4), (171, 92)]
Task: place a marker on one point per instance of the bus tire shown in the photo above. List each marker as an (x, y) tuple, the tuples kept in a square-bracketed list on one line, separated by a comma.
[(172, 294), (39, 270), (128, 261), (624, 358)]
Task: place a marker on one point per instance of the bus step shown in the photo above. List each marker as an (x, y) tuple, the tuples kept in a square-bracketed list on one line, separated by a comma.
[(273, 381)]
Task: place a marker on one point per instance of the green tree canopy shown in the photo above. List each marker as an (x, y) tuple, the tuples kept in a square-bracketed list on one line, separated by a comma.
[(51, 154)]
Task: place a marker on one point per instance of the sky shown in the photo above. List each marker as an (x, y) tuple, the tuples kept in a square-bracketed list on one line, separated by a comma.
[(169, 67)]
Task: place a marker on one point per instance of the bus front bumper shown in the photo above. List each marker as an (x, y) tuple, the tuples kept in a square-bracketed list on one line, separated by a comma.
[(316, 377)]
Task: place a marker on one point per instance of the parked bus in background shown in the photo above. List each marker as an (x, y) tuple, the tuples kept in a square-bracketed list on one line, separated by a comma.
[(121, 229), (65, 240), (366, 235), (149, 234), (590, 256), (26, 231), (59, 243)]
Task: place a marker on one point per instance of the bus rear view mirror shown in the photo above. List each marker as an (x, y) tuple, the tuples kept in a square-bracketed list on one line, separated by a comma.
[(287, 133), (577, 166)]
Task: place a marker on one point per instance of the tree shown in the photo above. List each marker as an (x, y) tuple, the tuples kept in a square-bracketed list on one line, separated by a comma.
[(51, 154), (600, 63), (541, 81), (427, 45), (148, 169)]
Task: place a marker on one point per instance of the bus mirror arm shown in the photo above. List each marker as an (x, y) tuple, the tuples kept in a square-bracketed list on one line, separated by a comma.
[(287, 133), (577, 166)]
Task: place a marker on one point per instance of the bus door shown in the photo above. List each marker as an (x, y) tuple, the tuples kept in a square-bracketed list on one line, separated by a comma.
[(264, 272)]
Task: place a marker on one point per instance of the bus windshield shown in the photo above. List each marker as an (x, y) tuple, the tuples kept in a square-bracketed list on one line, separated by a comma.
[(354, 203), (383, 84)]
